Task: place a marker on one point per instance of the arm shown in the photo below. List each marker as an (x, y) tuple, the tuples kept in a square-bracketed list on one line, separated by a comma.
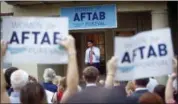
[(169, 89), (72, 70), (4, 96), (111, 69)]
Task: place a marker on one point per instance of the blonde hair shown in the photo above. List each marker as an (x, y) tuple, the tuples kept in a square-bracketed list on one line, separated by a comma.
[(130, 87), (62, 84), (57, 79)]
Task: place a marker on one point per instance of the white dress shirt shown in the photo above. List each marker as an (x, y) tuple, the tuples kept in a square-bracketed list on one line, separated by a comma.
[(152, 84), (49, 96), (90, 84), (96, 55), (139, 89), (15, 97)]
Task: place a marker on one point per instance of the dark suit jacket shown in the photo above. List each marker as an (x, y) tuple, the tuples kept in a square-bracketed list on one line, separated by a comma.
[(118, 96), (92, 94), (101, 95), (137, 94)]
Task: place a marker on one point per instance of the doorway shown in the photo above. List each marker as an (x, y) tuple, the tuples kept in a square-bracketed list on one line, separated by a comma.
[(81, 39), (99, 41)]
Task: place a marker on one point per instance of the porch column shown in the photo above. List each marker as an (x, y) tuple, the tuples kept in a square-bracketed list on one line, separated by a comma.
[(160, 20)]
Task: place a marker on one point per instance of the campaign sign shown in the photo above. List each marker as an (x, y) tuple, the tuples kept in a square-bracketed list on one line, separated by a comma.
[(147, 54), (91, 17), (35, 39)]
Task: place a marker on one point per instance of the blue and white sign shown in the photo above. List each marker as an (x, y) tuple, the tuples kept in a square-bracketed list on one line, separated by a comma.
[(35, 39), (91, 17), (147, 54)]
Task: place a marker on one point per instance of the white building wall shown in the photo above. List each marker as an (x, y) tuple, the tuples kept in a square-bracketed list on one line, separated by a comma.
[(54, 9), (5, 8)]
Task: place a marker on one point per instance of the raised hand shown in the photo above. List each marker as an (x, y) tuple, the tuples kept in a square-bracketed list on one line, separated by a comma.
[(111, 69), (173, 76), (112, 65), (3, 48), (69, 44)]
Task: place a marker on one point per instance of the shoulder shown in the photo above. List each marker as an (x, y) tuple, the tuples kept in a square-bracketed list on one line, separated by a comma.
[(54, 86), (87, 49), (96, 48), (87, 96), (135, 95), (49, 92)]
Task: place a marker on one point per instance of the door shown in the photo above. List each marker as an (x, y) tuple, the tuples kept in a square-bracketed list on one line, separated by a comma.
[(99, 41)]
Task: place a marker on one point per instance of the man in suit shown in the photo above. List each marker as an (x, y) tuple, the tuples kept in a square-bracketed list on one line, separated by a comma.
[(95, 94), (92, 55), (92, 93), (140, 89)]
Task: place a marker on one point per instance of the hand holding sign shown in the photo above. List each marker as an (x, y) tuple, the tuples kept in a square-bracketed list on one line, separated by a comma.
[(175, 64), (35, 39), (146, 54), (173, 76), (3, 48), (69, 44)]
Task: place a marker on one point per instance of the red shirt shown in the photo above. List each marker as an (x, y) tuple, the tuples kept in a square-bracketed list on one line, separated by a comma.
[(59, 95)]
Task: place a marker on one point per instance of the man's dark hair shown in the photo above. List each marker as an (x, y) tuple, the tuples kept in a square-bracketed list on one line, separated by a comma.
[(142, 82), (8, 74), (90, 74), (33, 93), (91, 41)]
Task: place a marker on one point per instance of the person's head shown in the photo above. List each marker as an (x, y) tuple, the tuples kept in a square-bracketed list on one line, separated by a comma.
[(91, 74), (33, 93), (150, 98), (130, 88), (62, 84), (102, 82), (49, 75), (116, 83), (90, 43), (32, 79), (19, 79), (160, 90), (141, 82), (7, 74), (56, 80)]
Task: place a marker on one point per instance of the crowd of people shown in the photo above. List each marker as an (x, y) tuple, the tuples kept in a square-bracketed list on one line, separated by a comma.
[(17, 86)]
